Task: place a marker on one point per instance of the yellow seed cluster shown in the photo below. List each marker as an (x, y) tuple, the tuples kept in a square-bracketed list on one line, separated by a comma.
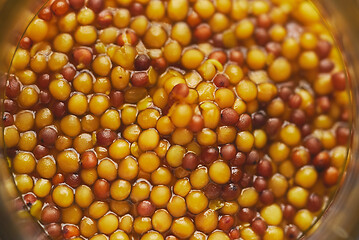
[(179, 119)]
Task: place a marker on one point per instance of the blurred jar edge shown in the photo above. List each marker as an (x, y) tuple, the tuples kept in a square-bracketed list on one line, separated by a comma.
[(338, 222), (341, 219), (15, 221)]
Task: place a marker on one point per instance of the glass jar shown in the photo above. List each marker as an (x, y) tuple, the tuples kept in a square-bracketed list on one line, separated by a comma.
[(341, 218)]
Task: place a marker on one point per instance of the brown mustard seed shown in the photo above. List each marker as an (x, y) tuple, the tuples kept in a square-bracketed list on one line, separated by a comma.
[(105, 137), (96, 5), (60, 7), (77, 4)]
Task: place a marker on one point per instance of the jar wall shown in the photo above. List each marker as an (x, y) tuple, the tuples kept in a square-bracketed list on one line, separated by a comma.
[(15, 221), (341, 219)]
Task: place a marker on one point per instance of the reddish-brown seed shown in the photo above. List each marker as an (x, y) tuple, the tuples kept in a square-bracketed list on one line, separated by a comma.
[(29, 199), (326, 65), (252, 157), (238, 160), (313, 144), (10, 106), (136, 9), (339, 81), (8, 119), (117, 98), (139, 79), (50, 214), (274, 48), (209, 154), (259, 226), (58, 178), (26, 43), (82, 56), (54, 230), (314, 203), (96, 5), (220, 56), (202, 32), (40, 151), (264, 168), (231, 191), (70, 231), (294, 101), (59, 109), (284, 93), (331, 176), (45, 97), (259, 119), (104, 18), (101, 189), (300, 157), (306, 130), (105, 137), (236, 175), (212, 190), (69, 72), (246, 180), (196, 124), (142, 62), (47, 136), (225, 223), (261, 36), (228, 152), (190, 161), (218, 40), (272, 126), (229, 117), (77, 4), (244, 122), (260, 184), (323, 48), (179, 92), (43, 81), (193, 19), (234, 234), (146, 208), (45, 14), (298, 117), (236, 56), (292, 232), (323, 103), (60, 7), (342, 135), (221, 80), (12, 87), (88, 160), (264, 21), (73, 180), (159, 64), (266, 197), (288, 212), (246, 215), (321, 161)]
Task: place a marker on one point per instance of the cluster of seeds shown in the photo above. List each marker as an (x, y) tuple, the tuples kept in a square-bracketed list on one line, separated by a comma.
[(178, 119)]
